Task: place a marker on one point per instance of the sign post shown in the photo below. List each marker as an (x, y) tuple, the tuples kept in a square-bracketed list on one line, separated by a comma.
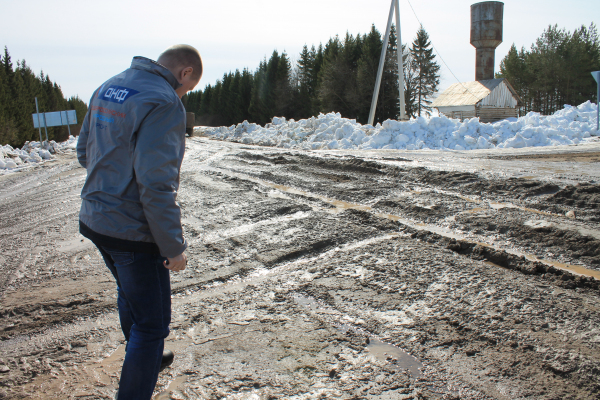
[(37, 110), (58, 118), (596, 75)]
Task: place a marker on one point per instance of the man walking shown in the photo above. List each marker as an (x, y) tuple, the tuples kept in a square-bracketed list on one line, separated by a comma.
[(132, 143)]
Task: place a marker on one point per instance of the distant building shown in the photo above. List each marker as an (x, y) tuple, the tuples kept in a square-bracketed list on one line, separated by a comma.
[(491, 100)]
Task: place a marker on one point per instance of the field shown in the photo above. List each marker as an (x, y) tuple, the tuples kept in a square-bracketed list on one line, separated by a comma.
[(328, 274)]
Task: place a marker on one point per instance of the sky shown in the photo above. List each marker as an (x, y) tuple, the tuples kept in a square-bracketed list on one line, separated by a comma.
[(80, 43)]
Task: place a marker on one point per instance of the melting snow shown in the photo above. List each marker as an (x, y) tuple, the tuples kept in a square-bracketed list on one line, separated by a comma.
[(12, 159), (569, 126)]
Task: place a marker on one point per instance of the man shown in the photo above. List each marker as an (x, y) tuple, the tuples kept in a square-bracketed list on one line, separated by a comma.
[(132, 143)]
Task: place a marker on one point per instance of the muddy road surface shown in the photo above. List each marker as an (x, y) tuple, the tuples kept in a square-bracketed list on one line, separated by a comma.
[(342, 275)]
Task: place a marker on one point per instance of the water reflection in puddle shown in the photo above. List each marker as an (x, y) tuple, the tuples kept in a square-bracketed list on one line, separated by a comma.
[(381, 351), (386, 352), (174, 385)]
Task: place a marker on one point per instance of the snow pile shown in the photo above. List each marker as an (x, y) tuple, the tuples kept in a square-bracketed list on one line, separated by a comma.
[(571, 125), (32, 153)]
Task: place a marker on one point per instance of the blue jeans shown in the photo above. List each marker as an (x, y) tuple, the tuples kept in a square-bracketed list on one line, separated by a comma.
[(144, 300)]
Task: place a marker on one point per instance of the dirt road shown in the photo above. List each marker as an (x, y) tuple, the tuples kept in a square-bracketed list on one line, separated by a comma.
[(349, 275)]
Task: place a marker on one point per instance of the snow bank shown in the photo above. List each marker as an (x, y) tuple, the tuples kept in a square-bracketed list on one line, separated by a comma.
[(32, 153), (571, 125)]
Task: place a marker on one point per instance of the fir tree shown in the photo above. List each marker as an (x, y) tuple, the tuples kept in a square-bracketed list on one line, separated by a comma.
[(556, 70), (258, 108), (338, 77), (427, 70), (18, 89), (305, 88), (367, 73), (388, 105)]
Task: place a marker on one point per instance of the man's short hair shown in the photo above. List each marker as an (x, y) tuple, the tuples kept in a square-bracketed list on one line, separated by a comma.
[(182, 56)]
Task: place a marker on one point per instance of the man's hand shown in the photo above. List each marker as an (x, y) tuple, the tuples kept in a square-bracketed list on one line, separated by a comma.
[(176, 263)]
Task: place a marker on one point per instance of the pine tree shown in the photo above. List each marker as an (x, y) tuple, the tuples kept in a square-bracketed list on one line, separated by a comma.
[(367, 73), (245, 92), (204, 117), (410, 83), (513, 67), (318, 64), (556, 70), (388, 105), (428, 77), (338, 77), (282, 88), (305, 91), (75, 103), (18, 88), (215, 102), (258, 108), (8, 131), (193, 100)]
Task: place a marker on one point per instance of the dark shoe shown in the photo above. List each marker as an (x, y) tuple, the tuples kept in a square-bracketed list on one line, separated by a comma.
[(167, 359)]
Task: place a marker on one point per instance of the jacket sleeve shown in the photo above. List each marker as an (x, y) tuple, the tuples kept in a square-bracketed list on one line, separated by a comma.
[(157, 158), (83, 139)]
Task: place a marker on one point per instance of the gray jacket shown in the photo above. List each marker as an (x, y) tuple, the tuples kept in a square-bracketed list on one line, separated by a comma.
[(132, 143)]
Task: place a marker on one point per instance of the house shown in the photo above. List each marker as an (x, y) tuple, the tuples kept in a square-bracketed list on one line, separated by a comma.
[(491, 100)]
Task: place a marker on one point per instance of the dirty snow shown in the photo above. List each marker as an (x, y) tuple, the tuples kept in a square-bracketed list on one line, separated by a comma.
[(569, 126), (31, 153)]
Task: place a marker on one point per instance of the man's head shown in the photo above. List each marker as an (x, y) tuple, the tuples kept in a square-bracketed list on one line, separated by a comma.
[(185, 63)]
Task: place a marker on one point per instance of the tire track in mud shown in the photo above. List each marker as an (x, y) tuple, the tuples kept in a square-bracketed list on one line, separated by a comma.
[(345, 237), (570, 245), (526, 263), (526, 269)]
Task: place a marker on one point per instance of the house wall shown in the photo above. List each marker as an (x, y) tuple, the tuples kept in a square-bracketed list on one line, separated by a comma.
[(501, 96), (493, 114)]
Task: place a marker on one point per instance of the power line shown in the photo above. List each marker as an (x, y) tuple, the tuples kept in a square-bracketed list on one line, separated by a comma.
[(439, 54)]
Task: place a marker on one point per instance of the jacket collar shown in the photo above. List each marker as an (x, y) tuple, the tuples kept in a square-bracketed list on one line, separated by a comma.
[(155, 68)]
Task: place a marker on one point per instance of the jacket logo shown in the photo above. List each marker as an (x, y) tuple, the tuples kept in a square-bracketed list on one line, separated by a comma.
[(103, 118), (117, 94)]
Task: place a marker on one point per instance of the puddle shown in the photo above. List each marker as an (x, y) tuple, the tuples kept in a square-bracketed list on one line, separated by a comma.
[(499, 206), (474, 210), (117, 355), (574, 269), (381, 351), (174, 385), (563, 226), (386, 352)]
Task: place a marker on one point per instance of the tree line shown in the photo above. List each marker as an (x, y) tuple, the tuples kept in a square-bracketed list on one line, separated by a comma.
[(339, 76), (556, 70), (19, 86)]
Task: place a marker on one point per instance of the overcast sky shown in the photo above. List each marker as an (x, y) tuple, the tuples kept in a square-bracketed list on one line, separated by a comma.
[(81, 43)]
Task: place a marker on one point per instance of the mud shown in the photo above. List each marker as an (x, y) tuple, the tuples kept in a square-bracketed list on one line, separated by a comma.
[(373, 275)]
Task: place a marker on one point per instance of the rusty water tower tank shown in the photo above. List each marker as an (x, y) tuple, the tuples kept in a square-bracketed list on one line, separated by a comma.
[(486, 35)]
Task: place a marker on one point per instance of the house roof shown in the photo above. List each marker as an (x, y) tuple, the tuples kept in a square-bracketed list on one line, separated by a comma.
[(470, 93)]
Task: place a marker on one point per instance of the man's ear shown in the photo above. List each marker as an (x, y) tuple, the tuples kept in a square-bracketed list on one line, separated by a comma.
[(186, 72)]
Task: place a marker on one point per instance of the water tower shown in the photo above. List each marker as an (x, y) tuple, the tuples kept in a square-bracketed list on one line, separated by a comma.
[(486, 35)]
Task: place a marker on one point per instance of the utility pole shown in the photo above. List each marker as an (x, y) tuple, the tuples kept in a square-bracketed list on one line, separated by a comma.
[(395, 5), (596, 75)]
